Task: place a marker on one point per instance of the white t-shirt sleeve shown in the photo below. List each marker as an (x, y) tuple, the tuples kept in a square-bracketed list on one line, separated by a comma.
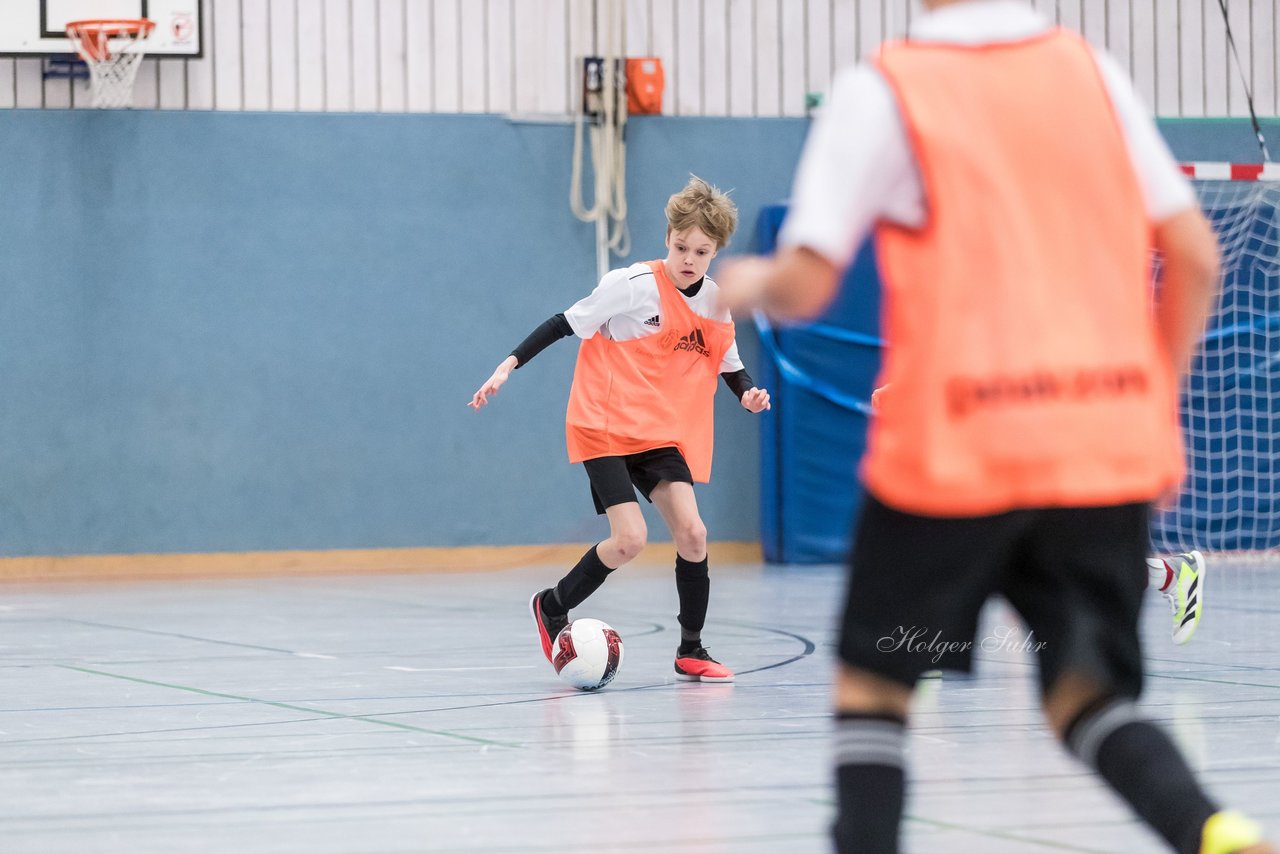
[(613, 296), (731, 363), (856, 168), (1165, 189)]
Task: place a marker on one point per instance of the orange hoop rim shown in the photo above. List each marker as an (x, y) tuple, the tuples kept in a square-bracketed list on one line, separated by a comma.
[(92, 36), (111, 27)]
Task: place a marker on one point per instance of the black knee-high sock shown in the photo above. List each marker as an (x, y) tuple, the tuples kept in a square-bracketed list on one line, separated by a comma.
[(572, 590), (1144, 767), (693, 586), (870, 782)]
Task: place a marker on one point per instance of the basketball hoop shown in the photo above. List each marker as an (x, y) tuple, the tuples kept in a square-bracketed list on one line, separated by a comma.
[(112, 49)]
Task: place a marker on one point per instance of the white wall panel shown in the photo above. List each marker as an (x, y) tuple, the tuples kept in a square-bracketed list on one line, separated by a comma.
[(768, 41), (793, 43), (366, 69), (392, 71), (636, 27), (255, 58), (527, 35), (581, 28), (172, 84), (146, 87), (1168, 79), (225, 44), (1190, 57), (870, 27), (1142, 50), (200, 71), (57, 93), (447, 57), (1263, 40), (1214, 52), (337, 55), (817, 56), (1117, 34), (844, 33), (500, 71), (662, 35), (1241, 27), (29, 84), (715, 58), (8, 85), (473, 62), (420, 53), (554, 60), (688, 58), (721, 57), (740, 43), (282, 31), (311, 58)]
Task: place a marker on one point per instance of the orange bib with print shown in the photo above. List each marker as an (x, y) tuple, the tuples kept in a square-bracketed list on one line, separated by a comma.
[(651, 392), (1026, 364)]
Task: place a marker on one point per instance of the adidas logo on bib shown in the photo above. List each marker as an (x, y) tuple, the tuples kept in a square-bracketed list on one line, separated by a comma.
[(694, 341)]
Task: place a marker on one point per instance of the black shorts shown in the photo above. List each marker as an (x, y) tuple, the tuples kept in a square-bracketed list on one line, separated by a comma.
[(612, 477), (1075, 575)]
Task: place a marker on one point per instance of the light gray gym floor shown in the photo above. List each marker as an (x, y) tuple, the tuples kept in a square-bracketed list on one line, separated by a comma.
[(416, 713)]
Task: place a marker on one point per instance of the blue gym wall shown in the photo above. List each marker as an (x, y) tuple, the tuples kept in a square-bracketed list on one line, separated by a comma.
[(258, 331), (235, 331)]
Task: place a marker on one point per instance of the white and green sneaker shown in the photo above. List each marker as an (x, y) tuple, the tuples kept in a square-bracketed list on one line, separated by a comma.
[(1186, 594)]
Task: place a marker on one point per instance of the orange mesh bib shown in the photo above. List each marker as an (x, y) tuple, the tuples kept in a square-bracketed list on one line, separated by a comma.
[(1024, 356), (651, 392)]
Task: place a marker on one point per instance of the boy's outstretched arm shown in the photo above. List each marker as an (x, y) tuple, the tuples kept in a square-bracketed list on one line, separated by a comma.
[(549, 332), (495, 381)]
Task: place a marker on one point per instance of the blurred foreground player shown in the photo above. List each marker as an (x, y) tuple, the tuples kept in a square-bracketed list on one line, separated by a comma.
[(1016, 189)]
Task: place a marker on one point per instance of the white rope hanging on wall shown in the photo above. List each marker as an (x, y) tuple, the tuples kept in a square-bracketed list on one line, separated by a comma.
[(607, 135)]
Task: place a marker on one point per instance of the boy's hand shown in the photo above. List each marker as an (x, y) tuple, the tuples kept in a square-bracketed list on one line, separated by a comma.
[(755, 400), (491, 385)]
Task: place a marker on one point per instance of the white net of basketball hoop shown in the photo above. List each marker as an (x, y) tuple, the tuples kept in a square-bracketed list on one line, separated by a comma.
[(112, 50)]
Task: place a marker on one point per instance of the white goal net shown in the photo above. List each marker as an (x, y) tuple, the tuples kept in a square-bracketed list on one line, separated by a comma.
[(1230, 407)]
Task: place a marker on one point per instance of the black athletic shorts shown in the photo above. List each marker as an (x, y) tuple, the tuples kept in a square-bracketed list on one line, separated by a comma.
[(612, 477), (1075, 575)]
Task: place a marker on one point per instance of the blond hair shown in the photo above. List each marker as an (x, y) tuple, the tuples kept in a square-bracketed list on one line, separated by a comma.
[(704, 206)]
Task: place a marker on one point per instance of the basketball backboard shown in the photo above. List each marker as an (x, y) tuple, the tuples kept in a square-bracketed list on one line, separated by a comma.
[(36, 27)]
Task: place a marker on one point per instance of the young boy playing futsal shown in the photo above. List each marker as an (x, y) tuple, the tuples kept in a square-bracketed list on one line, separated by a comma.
[(1016, 188), (640, 411)]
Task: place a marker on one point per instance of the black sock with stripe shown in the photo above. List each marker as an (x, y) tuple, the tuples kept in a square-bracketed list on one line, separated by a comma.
[(572, 590), (693, 587), (1145, 768), (870, 782)]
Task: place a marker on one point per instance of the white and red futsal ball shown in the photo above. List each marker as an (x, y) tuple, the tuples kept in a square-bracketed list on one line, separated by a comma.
[(587, 654)]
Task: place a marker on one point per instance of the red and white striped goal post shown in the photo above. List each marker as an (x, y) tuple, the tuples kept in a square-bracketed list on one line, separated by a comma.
[(1214, 171)]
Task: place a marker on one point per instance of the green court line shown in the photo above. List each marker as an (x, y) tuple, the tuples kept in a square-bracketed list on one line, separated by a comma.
[(1212, 681), (291, 707)]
